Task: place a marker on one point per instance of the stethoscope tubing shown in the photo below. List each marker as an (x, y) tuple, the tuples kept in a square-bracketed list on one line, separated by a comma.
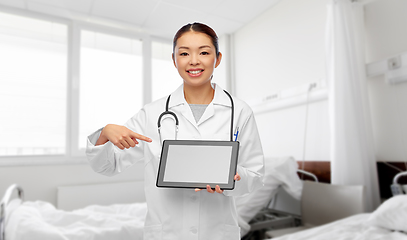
[(233, 113), (177, 122)]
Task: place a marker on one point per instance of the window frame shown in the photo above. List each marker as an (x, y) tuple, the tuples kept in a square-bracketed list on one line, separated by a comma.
[(74, 60), (73, 154)]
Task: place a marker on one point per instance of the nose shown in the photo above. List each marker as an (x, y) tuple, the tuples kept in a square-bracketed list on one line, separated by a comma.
[(194, 59)]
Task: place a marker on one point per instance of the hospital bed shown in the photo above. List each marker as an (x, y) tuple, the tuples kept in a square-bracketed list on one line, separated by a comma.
[(388, 221), (282, 212), (260, 211), (41, 220)]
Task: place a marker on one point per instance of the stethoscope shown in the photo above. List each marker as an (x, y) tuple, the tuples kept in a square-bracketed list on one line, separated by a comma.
[(177, 122)]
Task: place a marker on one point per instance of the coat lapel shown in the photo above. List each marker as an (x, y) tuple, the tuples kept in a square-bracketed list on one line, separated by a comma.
[(209, 112), (179, 103), (220, 98)]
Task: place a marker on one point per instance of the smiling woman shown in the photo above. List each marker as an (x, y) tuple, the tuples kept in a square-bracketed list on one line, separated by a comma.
[(186, 213)]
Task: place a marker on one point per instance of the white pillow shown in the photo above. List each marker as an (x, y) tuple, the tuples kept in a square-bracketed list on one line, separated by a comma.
[(392, 214), (285, 170)]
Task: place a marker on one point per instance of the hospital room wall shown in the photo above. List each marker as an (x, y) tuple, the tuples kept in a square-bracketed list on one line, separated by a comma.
[(386, 36), (281, 49), (284, 48)]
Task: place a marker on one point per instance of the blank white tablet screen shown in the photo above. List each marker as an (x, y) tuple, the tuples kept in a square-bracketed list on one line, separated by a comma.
[(201, 164)]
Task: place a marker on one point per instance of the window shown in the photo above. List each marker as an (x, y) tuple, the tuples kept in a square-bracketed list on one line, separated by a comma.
[(110, 81), (165, 77), (36, 117), (33, 79)]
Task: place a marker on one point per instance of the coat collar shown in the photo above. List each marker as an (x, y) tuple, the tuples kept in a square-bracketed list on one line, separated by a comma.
[(178, 101), (220, 97)]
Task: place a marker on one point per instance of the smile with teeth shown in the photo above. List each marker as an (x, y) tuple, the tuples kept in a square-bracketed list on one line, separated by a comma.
[(195, 71)]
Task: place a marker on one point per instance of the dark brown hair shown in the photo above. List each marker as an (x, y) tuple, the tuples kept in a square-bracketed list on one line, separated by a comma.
[(197, 27)]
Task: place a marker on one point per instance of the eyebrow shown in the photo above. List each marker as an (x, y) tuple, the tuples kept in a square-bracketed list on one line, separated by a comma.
[(204, 46)]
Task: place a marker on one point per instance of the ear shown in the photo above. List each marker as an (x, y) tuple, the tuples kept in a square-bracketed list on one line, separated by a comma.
[(173, 60), (218, 59)]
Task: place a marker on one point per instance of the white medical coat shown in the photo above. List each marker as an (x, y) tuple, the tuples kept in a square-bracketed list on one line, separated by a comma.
[(177, 214)]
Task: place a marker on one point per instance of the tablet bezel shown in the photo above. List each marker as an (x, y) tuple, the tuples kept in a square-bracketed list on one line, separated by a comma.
[(163, 161)]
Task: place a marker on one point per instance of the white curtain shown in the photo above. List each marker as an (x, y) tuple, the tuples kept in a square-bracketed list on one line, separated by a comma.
[(353, 159)]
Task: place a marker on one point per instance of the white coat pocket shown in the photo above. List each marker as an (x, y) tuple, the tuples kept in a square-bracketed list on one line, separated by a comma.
[(153, 232)]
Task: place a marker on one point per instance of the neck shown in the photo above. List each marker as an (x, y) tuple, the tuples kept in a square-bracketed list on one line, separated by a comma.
[(199, 95)]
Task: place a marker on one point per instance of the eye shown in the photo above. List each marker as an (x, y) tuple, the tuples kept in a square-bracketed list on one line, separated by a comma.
[(204, 53), (183, 54)]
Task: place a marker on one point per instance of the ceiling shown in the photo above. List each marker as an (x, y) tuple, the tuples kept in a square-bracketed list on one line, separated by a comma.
[(160, 18)]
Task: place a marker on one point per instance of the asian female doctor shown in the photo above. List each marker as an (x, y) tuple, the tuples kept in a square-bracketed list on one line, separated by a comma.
[(204, 112)]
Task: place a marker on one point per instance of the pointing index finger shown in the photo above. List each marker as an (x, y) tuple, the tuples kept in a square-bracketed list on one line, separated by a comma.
[(141, 137)]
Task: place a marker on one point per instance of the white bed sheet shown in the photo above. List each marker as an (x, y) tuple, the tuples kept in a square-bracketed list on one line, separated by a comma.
[(351, 228), (40, 220)]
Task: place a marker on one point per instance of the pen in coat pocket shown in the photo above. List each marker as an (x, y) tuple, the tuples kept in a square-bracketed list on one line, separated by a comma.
[(236, 133)]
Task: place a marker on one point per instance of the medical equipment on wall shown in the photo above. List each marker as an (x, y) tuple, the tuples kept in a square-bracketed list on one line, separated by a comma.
[(311, 86), (397, 189), (167, 112)]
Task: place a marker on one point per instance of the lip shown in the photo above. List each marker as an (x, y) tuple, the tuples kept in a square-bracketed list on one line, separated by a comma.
[(195, 69)]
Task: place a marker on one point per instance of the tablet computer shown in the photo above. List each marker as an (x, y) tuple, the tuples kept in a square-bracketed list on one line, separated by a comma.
[(197, 163)]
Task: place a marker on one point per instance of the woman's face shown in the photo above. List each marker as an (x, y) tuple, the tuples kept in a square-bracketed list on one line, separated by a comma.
[(195, 58)]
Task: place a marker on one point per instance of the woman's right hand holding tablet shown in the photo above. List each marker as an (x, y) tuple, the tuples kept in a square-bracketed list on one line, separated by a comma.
[(120, 136)]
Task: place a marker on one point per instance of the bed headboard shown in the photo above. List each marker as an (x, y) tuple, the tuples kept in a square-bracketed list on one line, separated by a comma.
[(74, 197), (322, 169), (386, 171)]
